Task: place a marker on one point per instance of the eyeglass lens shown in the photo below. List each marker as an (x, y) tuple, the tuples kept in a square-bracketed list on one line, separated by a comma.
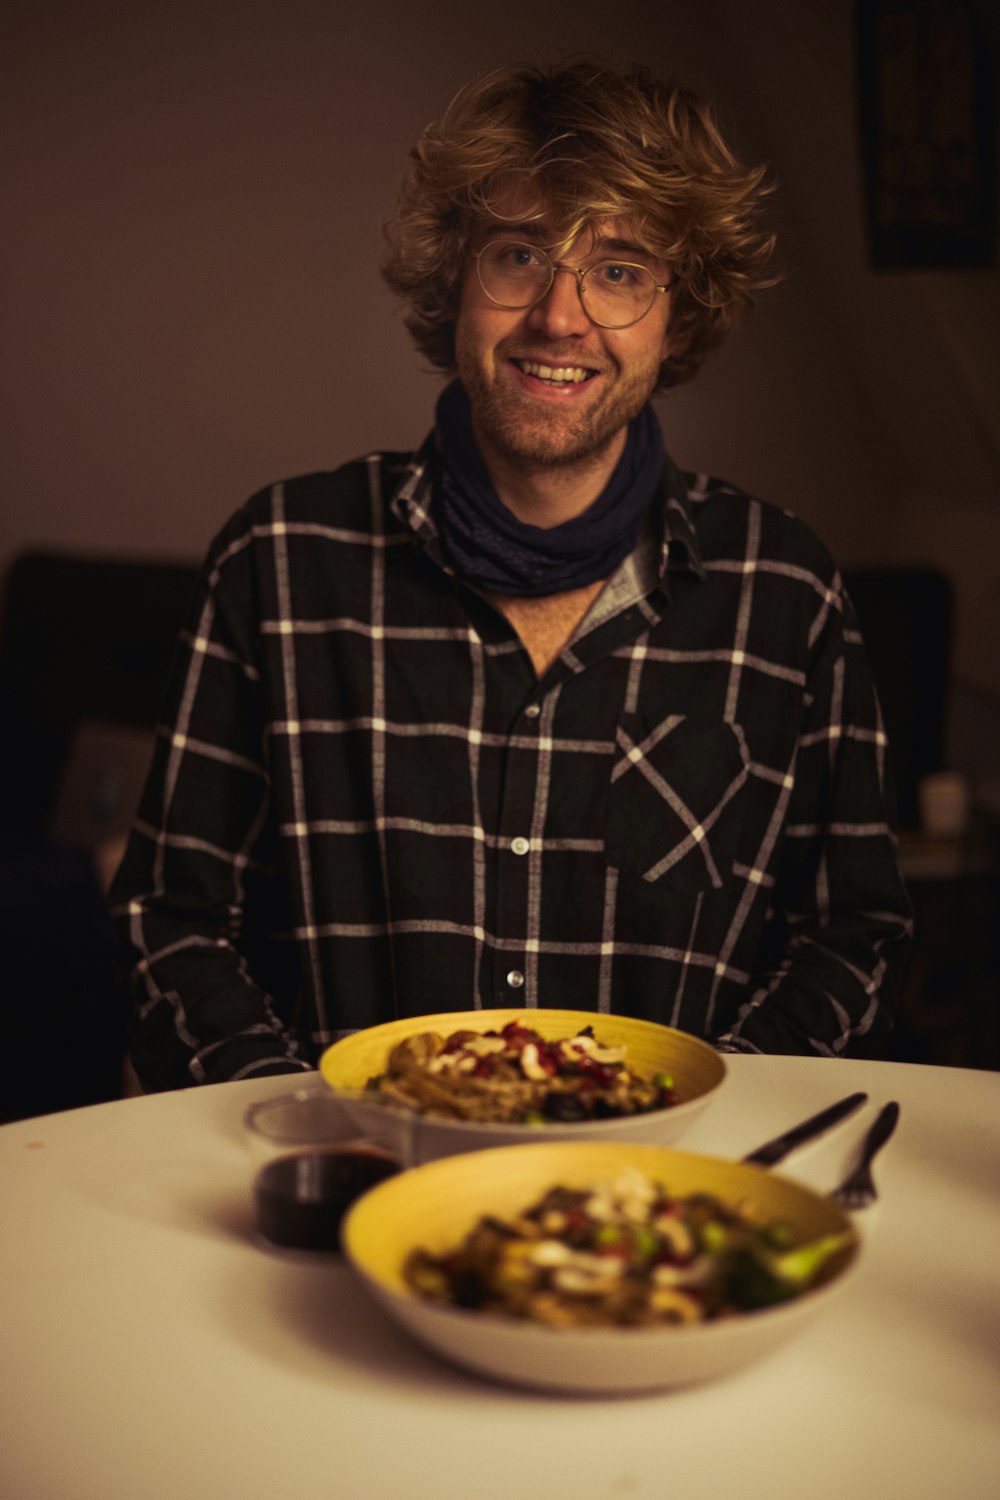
[(614, 293)]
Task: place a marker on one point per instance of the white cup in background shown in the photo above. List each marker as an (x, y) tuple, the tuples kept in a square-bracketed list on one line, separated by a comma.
[(944, 804)]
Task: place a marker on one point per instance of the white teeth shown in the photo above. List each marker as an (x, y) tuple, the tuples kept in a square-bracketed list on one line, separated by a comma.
[(562, 374)]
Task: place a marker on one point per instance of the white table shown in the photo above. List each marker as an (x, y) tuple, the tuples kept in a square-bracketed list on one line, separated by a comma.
[(149, 1348)]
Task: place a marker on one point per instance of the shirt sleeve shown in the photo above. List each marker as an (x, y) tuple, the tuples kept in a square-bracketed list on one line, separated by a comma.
[(199, 878), (840, 922)]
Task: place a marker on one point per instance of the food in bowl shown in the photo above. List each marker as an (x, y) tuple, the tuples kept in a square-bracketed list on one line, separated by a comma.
[(623, 1253), (514, 1075), (698, 1073), (434, 1207)]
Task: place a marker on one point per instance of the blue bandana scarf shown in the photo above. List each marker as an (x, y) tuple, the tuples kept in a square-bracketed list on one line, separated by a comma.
[(488, 546)]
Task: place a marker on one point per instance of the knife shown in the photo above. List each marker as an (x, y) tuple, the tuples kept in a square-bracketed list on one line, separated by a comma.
[(776, 1150)]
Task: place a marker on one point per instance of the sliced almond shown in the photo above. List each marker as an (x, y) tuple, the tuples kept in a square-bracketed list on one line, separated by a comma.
[(482, 1046)]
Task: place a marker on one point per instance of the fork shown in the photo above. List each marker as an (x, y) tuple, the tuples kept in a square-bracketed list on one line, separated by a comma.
[(858, 1189)]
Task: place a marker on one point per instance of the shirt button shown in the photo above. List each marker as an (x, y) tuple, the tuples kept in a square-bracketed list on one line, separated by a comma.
[(515, 979), (532, 711), (519, 846)]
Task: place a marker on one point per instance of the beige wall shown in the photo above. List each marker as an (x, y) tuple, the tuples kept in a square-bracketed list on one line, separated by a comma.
[(192, 306)]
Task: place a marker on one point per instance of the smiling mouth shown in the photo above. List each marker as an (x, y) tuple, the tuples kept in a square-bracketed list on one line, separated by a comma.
[(555, 374)]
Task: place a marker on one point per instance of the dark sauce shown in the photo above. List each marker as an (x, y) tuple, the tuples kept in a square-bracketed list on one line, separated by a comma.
[(302, 1199)]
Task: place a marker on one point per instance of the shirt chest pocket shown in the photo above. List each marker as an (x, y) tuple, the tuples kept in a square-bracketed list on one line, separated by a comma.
[(673, 807)]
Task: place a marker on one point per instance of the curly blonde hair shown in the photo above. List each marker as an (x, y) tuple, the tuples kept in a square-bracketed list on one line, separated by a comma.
[(577, 144)]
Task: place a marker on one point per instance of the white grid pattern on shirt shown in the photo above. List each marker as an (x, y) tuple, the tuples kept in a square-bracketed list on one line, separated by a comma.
[(633, 661)]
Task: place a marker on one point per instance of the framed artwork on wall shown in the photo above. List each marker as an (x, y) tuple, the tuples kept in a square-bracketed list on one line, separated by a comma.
[(927, 106)]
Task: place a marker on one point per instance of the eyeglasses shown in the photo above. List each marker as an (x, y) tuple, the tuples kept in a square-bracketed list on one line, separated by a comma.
[(613, 293)]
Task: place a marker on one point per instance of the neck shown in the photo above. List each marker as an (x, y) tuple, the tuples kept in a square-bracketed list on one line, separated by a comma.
[(546, 495)]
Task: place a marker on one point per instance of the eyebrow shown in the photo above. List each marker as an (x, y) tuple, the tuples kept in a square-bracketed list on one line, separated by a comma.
[(532, 230), (623, 247), (522, 229)]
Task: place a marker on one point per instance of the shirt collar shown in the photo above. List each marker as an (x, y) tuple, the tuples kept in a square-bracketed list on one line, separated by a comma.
[(679, 548), (410, 502)]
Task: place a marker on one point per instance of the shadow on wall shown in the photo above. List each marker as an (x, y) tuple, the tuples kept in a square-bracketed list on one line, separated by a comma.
[(906, 617)]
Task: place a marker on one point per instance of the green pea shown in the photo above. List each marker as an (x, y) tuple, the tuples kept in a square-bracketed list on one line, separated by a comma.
[(714, 1237), (646, 1243)]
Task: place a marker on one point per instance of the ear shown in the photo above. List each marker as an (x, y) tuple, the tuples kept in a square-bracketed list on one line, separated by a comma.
[(666, 344), (674, 341)]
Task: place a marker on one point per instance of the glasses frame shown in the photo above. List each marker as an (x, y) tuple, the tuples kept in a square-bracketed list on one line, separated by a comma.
[(580, 272)]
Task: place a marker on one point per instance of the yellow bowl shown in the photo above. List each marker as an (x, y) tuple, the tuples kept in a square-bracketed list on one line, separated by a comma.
[(698, 1072), (435, 1205)]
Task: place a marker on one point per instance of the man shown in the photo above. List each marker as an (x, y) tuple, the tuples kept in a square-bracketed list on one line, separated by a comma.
[(528, 717)]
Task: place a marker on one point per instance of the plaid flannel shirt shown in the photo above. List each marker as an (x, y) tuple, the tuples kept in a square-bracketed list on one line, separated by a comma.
[(365, 804)]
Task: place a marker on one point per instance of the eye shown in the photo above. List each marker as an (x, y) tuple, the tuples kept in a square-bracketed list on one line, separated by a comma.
[(509, 255), (618, 275)]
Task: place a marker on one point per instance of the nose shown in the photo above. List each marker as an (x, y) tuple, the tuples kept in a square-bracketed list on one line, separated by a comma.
[(560, 313)]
